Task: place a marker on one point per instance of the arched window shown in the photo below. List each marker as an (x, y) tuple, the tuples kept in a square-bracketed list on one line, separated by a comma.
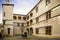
[(31, 21), (28, 23), (31, 30), (31, 14), (27, 30), (19, 17), (24, 18), (27, 17), (14, 17)]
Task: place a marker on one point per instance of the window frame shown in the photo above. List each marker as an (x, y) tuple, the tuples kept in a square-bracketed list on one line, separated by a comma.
[(48, 14)]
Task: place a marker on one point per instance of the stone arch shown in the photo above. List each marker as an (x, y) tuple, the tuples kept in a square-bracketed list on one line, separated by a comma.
[(28, 30)]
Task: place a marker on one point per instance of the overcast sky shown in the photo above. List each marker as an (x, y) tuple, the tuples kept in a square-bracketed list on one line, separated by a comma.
[(20, 6)]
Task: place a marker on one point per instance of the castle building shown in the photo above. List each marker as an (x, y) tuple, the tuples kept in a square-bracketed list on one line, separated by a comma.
[(42, 20)]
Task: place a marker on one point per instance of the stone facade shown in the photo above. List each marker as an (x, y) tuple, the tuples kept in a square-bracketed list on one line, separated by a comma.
[(42, 20)]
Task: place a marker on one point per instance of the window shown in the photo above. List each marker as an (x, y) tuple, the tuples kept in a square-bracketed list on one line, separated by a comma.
[(19, 18), (22, 24), (31, 14), (31, 21), (31, 30), (48, 30), (47, 2), (18, 24), (3, 22), (37, 19), (14, 17), (36, 9), (24, 18), (4, 14), (8, 30), (37, 31), (28, 23), (48, 15), (27, 17), (27, 30)]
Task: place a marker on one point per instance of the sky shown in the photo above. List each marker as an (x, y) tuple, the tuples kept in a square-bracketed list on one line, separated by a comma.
[(20, 6)]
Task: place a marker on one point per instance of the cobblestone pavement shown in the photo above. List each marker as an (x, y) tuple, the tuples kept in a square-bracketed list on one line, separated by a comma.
[(29, 38)]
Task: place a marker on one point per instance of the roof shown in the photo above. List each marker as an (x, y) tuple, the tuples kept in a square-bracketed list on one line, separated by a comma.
[(20, 14)]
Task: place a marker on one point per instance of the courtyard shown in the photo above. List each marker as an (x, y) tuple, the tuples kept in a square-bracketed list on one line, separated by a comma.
[(28, 38)]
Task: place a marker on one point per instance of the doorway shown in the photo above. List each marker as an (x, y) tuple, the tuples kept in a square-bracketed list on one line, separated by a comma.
[(0, 35)]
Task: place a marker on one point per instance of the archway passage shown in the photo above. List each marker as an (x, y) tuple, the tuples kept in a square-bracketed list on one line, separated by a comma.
[(31, 31)]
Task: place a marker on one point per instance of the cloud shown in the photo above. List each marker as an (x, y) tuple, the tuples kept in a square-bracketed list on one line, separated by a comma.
[(24, 6)]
